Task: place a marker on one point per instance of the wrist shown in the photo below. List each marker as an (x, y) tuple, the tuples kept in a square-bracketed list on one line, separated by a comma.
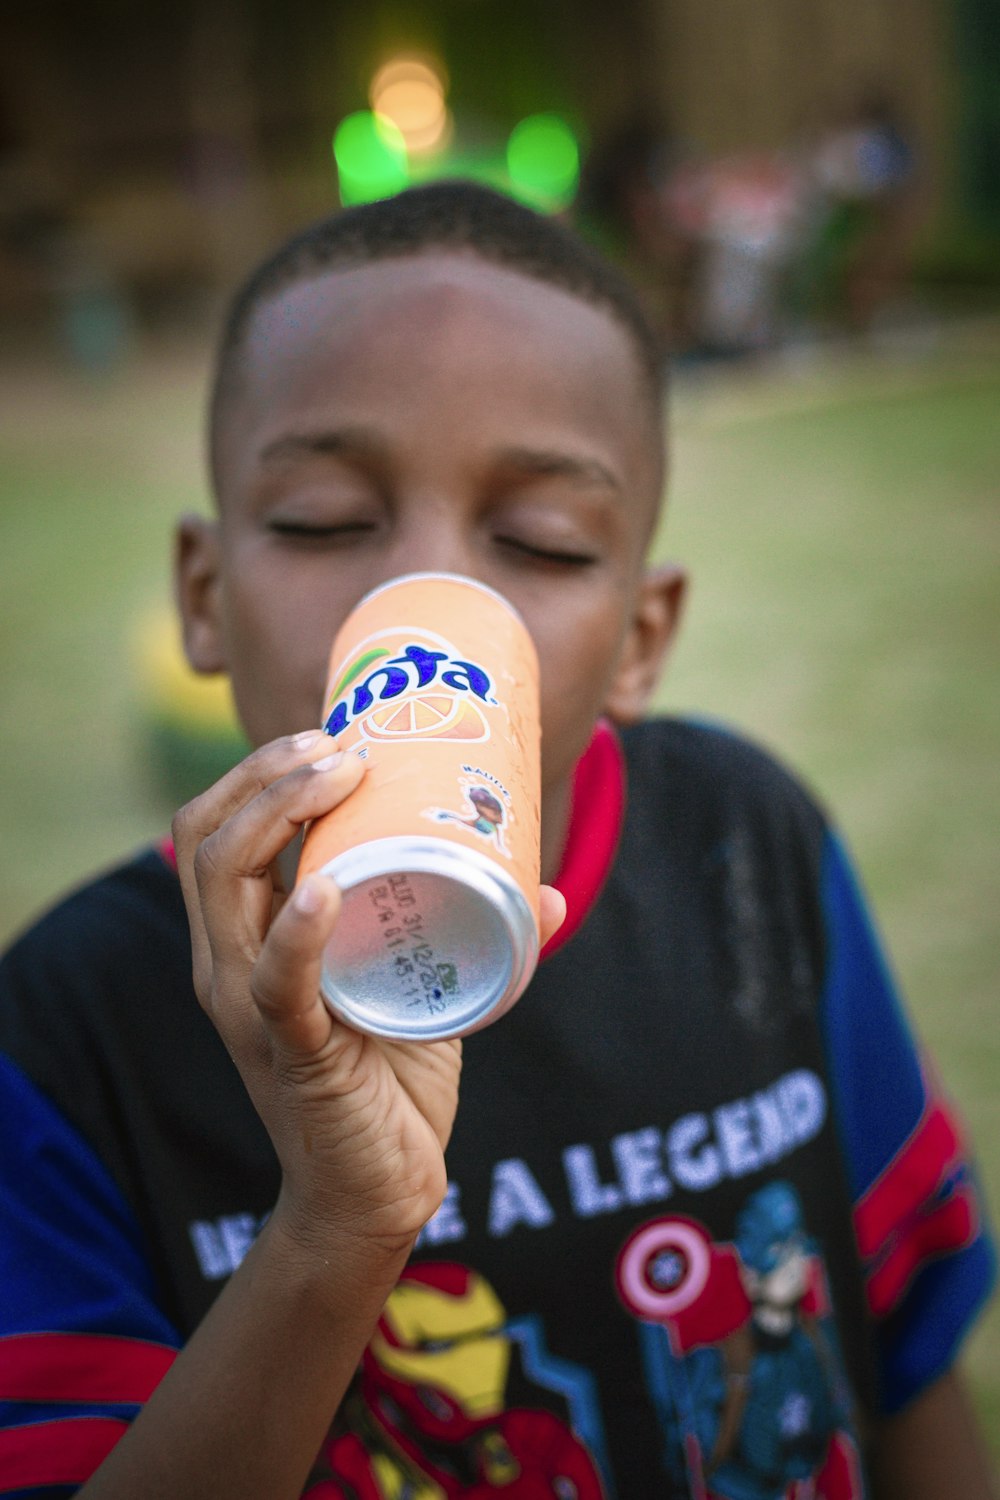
[(344, 1261)]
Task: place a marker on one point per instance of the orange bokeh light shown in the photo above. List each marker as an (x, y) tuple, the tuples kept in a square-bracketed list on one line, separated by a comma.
[(410, 91)]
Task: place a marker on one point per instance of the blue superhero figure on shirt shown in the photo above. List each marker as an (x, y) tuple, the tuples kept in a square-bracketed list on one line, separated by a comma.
[(767, 1401)]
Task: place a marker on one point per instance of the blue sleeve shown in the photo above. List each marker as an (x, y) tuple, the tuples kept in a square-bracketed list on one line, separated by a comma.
[(926, 1252), (82, 1339)]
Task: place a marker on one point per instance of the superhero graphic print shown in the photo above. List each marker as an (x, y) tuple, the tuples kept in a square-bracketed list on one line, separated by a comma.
[(741, 1356), (428, 1419)]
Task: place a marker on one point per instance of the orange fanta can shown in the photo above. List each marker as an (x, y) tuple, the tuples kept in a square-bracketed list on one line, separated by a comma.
[(434, 682)]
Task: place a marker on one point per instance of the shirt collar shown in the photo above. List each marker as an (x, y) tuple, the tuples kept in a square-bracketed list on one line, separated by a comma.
[(597, 809)]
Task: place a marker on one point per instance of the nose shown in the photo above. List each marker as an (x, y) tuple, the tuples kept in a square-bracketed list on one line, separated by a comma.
[(433, 539)]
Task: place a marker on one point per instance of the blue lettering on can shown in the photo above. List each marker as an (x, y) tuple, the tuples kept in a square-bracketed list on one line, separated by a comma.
[(415, 669)]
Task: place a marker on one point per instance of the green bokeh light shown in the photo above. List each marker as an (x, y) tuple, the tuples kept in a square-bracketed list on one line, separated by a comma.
[(371, 157), (543, 160)]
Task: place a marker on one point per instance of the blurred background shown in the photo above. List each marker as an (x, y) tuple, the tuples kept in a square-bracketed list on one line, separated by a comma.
[(807, 194)]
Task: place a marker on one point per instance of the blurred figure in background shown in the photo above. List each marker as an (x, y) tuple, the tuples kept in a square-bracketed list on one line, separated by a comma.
[(707, 241), (736, 254), (864, 181), (639, 199), (749, 234)]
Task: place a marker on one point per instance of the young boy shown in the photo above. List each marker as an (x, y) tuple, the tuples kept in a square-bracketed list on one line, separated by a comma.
[(700, 1225)]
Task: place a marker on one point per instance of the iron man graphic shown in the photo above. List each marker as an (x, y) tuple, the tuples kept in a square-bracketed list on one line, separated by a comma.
[(427, 1420)]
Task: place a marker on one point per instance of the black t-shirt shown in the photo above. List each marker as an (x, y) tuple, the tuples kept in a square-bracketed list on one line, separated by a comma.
[(705, 1218)]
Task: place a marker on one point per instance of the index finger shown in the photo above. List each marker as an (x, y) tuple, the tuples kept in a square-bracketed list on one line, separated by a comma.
[(202, 816), (234, 866)]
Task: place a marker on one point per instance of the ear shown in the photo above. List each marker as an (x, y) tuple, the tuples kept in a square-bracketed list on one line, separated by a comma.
[(197, 588), (650, 635)]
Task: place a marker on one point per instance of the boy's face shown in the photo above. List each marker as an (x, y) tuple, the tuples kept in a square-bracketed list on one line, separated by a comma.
[(432, 413)]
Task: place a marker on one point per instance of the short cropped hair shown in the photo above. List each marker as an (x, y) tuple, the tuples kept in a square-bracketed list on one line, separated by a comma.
[(448, 215)]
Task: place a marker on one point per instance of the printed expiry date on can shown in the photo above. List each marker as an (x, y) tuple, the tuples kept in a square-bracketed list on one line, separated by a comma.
[(423, 981)]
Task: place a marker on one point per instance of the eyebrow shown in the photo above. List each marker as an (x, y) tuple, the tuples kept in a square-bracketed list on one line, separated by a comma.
[(582, 469), (544, 462), (359, 440)]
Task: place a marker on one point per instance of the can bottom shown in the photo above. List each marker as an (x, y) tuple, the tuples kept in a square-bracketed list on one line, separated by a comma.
[(433, 940)]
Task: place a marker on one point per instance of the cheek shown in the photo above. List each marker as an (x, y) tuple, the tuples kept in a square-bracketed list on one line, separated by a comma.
[(578, 666), (277, 645)]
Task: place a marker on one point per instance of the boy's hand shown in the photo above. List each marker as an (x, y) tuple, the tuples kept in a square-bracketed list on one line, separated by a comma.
[(359, 1123)]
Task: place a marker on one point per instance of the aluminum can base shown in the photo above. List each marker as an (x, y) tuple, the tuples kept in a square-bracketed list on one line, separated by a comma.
[(433, 941)]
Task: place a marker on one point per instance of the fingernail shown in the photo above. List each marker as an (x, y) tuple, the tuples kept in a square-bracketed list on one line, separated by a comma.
[(308, 898), (329, 761), (308, 738)]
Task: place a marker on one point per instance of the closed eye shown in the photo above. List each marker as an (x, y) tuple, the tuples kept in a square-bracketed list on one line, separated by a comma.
[(557, 556), (312, 531)]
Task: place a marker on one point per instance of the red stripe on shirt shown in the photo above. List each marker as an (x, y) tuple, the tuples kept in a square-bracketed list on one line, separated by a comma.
[(904, 1187), (61, 1452), (597, 809), (941, 1231), (81, 1367), (908, 1217)]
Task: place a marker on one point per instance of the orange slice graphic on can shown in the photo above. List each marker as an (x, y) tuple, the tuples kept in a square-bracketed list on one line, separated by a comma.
[(426, 716)]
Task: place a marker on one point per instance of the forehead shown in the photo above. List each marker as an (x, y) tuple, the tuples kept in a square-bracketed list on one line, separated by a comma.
[(482, 348)]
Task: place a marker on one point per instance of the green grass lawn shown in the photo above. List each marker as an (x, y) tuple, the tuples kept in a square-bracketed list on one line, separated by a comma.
[(841, 524)]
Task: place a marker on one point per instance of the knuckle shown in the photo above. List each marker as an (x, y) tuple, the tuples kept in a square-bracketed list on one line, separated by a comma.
[(262, 992), (203, 987), (265, 764), (286, 797), (199, 817), (290, 746), (256, 778), (187, 819), (207, 860)]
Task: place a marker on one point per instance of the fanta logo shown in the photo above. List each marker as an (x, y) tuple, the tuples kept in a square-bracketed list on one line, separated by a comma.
[(426, 681)]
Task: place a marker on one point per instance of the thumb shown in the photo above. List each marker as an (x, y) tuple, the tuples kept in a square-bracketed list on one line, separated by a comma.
[(551, 912)]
